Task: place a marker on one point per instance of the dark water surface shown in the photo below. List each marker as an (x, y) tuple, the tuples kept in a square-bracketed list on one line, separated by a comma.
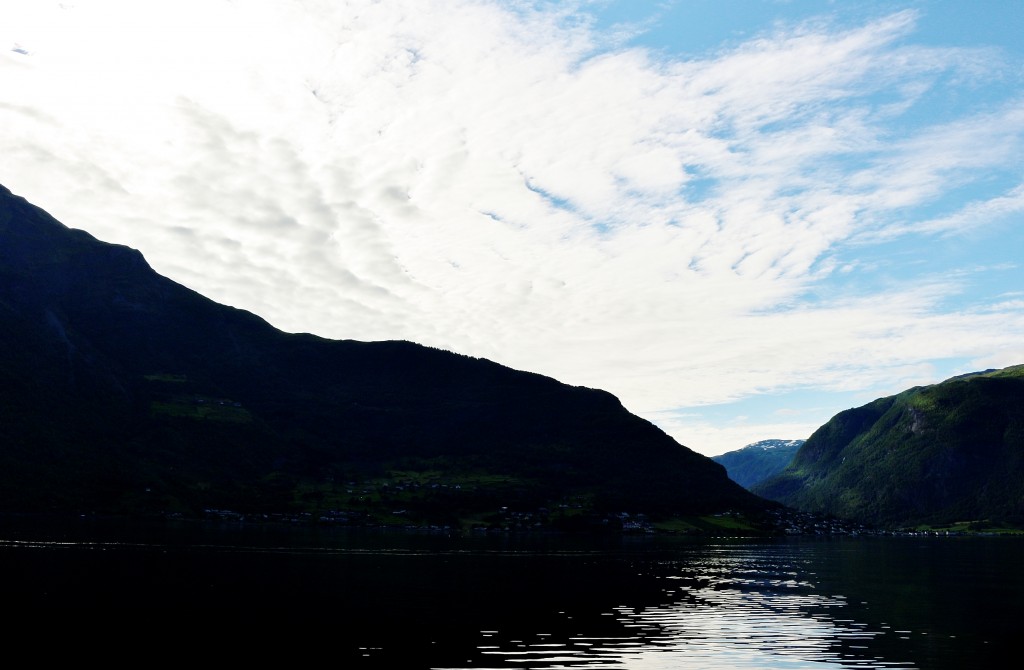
[(230, 593)]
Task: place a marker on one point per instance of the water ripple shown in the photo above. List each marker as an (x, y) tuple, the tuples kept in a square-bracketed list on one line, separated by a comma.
[(730, 610)]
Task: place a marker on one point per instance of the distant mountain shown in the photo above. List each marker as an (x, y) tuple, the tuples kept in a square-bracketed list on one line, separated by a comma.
[(952, 451), (758, 461), (124, 392)]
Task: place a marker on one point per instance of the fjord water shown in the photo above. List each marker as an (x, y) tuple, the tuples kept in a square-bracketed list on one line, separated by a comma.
[(432, 600)]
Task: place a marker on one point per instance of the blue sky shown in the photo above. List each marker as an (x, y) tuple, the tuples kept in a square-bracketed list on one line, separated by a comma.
[(740, 217)]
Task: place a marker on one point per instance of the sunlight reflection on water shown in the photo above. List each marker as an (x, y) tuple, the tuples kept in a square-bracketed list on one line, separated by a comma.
[(732, 610)]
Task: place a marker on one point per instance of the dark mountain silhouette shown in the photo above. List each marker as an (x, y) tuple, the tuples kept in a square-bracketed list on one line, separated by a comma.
[(937, 454), (122, 391), (758, 461)]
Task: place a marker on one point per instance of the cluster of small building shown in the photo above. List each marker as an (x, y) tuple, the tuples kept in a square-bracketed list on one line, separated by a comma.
[(792, 522)]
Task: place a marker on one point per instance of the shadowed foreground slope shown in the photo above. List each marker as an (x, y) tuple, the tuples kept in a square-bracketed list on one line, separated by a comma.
[(122, 391)]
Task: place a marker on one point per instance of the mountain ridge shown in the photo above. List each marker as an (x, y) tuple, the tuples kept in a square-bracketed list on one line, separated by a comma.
[(126, 391), (933, 454)]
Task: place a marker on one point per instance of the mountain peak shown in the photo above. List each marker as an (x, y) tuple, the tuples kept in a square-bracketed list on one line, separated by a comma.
[(758, 461)]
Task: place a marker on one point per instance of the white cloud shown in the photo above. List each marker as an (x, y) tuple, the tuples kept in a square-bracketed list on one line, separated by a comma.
[(502, 181), (972, 215), (719, 438)]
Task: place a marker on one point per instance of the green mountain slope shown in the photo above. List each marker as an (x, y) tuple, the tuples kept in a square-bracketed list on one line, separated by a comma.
[(934, 454), (756, 462), (122, 391)]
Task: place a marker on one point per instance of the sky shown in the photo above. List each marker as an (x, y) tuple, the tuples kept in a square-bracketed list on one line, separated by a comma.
[(740, 217)]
